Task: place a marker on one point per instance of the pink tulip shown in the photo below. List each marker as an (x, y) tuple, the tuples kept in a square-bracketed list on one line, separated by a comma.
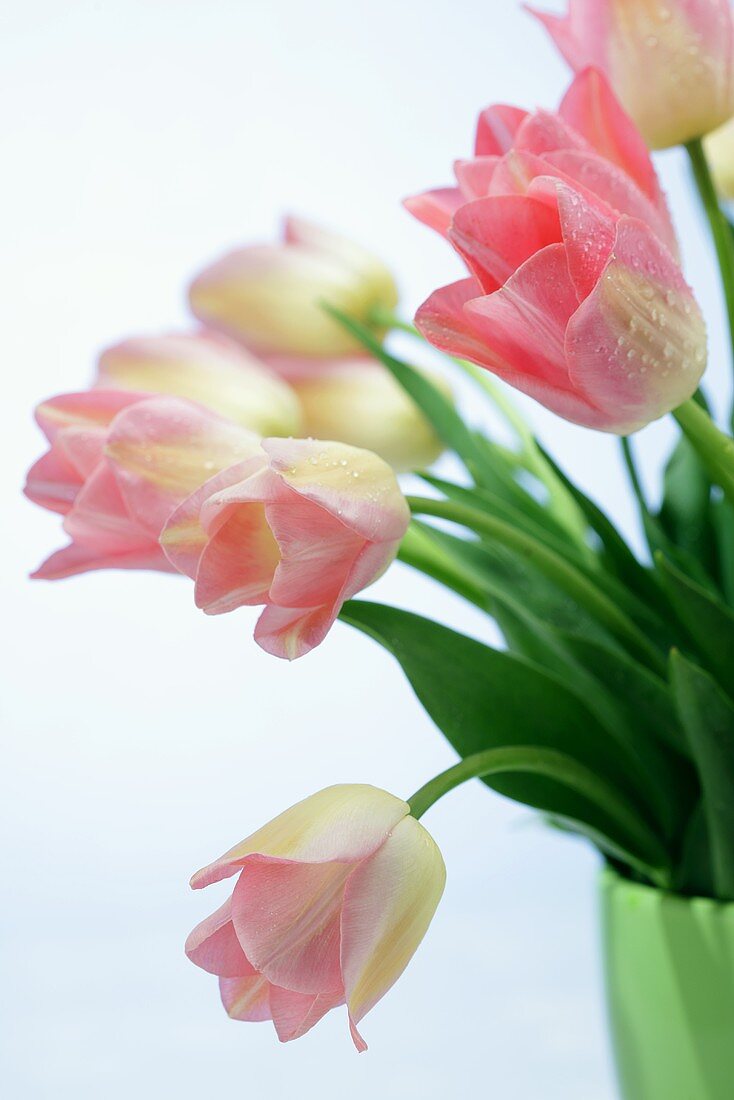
[(332, 900), (118, 464), (205, 367), (270, 297), (669, 61), (575, 295), (300, 527)]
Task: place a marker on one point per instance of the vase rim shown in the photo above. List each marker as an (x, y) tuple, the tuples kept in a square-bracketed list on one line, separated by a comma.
[(612, 880)]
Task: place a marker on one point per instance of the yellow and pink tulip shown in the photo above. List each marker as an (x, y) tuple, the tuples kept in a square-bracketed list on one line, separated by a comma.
[(332, 899)]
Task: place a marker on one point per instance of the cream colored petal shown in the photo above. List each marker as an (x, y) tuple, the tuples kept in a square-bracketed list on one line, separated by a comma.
[(389, 903), (346, 823)]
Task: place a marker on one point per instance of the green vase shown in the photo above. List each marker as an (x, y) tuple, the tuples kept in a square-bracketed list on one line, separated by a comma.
[(669, 965)]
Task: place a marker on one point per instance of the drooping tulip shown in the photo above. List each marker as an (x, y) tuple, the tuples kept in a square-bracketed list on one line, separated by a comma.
[(575, 296), (670, 62), (271, 297), (117, 466), (357, 401), (300, 527), (332, 899), (208, 368)]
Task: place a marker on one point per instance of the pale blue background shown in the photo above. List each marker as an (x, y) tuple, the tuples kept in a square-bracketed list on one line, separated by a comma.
[(140, 138)]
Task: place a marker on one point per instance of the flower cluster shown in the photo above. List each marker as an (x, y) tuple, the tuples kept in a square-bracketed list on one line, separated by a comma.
[(258, 456)]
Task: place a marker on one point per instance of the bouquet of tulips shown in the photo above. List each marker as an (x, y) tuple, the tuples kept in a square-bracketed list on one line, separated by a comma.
[(259, 454)]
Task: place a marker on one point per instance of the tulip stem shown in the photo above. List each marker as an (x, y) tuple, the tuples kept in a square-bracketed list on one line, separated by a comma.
[(561, 572), (561, 769), (713, 447), (720, 229)]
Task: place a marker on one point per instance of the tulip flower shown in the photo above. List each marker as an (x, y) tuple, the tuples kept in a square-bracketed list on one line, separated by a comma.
[(357, 401), (719, 148), (332, 899), (118, 465), (574, 295), (270, 297), (669, 61), (208, 368), (300, 527)]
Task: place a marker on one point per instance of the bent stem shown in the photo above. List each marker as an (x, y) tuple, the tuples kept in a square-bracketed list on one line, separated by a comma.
[(720, 229), (560, 768), (552, 565)]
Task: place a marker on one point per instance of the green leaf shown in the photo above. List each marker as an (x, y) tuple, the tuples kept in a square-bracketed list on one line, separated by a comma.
[(709, 622), (523, 511), (643, 697), (723, 520), (685, 513), (694, 874), (482, 699), (708, 718)]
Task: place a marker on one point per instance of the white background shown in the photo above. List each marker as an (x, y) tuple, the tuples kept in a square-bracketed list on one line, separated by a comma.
[(140, 739)]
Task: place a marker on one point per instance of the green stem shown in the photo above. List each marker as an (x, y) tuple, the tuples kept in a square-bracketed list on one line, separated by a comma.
[(552, 565), (713, 447), (551, 765), (720, 228)]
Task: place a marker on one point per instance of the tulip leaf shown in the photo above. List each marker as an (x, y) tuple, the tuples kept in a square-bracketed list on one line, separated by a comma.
[(723, 520), (708, 719), (708, 621), (694, 873), (526, 513), (481, 698), (685, 515), (618, 557)]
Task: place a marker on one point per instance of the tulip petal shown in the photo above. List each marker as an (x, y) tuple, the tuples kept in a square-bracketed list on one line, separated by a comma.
[(593, 110), (53, 481), (475, 176), (237, 564), (637, 346), (588, 233), (164, 448), (354, 485), (246, 999), (389, 903), (296, 1013), (525, 322), (184, 536), (497, 235), (78, 558), (286, 915), (497, 128), (435, 208), (90, 409), (543, 132), (213, 945), (343, 823), (445, 324)]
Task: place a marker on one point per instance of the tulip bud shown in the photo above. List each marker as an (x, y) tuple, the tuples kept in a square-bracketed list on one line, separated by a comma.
[(270, 297), (332, 899), (574, 295), (669, 61), (207, 368), (357, 401), (301, 527), (719, 148)]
